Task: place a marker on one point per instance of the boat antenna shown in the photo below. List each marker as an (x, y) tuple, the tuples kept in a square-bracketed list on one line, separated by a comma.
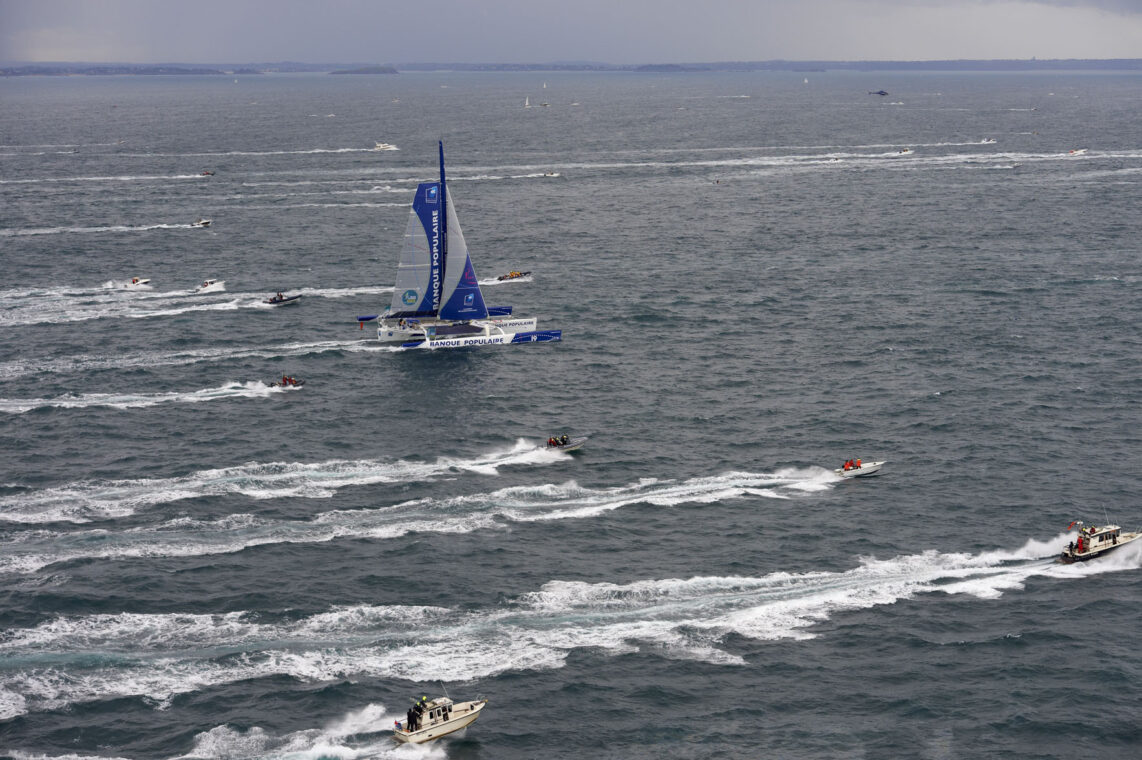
[(444, 690)]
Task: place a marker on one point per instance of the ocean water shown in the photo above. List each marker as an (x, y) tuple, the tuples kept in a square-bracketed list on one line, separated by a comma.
[(757, 276)]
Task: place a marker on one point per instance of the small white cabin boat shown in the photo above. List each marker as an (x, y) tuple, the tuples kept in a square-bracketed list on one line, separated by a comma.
[(860, 469), (434, 718), (1096, 540)]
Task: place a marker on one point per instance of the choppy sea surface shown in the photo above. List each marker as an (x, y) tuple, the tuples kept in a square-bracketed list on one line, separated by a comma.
[(757, 276)]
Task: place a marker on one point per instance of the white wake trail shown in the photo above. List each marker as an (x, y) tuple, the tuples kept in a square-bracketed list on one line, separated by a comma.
[(73, 659), (231, 390)]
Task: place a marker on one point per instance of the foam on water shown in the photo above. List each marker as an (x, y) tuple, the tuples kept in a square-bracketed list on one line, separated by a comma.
[(358, 734), (88, 362), (231, 390), (116, 300), (362, 733), (184, 536), (81, 659), (93, 500)]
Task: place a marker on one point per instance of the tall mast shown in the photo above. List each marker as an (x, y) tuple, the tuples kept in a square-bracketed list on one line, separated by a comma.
[(443, 216)]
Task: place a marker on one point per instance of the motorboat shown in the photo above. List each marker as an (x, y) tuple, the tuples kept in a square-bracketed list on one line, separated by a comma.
[(210, 285), (879, 92), (206, 173), (904, 152), (385, 146), (1076, 152), (858, 469), (287, 381), (512, 275), (433, 718), (437, 301), (987, 141), (572, 444), (1096, 540), (137, 282), (201, 223), (283, 300)]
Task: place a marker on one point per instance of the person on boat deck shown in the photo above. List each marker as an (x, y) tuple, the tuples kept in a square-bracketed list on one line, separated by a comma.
[(858, 463), (563, 440)]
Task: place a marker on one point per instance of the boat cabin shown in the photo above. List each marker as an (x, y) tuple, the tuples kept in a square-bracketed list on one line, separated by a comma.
[(430, 712), (437, 709), (1095, 539)]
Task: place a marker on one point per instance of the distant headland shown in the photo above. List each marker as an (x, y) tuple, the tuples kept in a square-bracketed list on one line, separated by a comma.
[(174, 69)]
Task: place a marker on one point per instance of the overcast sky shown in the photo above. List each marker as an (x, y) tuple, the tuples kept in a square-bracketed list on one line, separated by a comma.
[(542, 31)]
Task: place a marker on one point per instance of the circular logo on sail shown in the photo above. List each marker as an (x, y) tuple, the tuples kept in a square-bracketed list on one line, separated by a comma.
[(409, 297)]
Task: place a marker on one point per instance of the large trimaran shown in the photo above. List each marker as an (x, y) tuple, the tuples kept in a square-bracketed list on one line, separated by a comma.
[(437, 302)]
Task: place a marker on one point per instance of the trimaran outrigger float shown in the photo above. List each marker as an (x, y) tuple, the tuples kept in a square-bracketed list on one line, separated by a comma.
[(437, 302)]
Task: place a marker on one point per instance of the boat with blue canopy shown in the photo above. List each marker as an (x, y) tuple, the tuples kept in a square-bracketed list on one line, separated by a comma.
[(437, 301)]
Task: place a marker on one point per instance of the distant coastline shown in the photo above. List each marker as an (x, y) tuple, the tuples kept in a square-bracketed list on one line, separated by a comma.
[(175, 69)]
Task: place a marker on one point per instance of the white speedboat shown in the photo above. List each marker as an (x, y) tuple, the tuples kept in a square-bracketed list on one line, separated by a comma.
[(437, 301), (385, 146), (433, 718), (201, 223), (137, 282), (1077, 152), (859, 469), (1095, 541), (210, 285)]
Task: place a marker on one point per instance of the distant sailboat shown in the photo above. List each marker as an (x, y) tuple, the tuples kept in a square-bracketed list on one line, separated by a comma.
[(527, 102)]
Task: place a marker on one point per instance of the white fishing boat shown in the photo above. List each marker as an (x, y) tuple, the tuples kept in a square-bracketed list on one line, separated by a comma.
[(433, 718), (437, 301), (854, 468), (1095, 541)]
